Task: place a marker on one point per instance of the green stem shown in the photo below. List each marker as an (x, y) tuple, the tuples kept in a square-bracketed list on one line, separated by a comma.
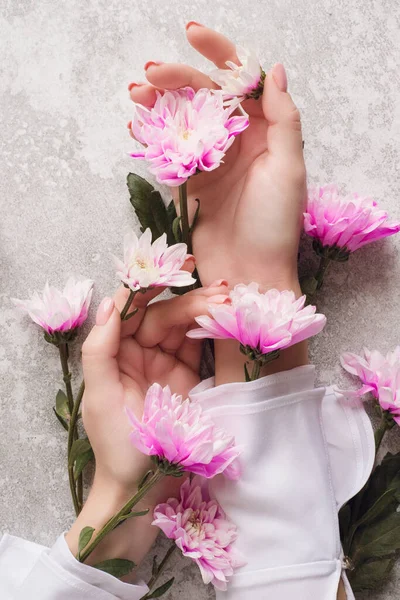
[(77, 494), (124, 312), (384, 425), (183, 205), (63, 349), (72, 430), (255, 373), (125, 510), (160, 568), (322, 268)]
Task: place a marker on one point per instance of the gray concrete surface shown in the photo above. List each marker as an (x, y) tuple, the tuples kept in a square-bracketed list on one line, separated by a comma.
[(64, 105)]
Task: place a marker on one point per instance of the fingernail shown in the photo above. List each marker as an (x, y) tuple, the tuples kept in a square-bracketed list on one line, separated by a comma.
[(193, 23), (152, 63), (280, 77), (104, 311), (219, 299), (136, 84), (218, 282), (191, 257)]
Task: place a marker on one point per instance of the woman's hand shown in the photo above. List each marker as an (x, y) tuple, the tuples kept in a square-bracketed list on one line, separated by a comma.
[(251, 207), (120, 362)]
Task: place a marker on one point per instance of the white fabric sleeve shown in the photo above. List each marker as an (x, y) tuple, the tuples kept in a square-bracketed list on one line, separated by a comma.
[(29, 571), (305, 453)]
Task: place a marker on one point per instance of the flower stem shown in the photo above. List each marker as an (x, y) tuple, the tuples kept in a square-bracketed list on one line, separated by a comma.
[(160, 568), (384, 425), (124, 312), (72, 429), (255, 373), (186, 236), (63, 349), (322, 268), (118, 517), (76, 490)]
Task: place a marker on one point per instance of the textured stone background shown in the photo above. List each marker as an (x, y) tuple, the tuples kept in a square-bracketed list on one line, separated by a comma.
[(64, 105)]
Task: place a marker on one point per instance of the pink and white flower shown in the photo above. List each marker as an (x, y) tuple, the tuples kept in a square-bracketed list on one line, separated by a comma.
[(240, 81), (59, 311), (185, 132), (177, 431), (201, 531), (380, 376), (344, 222), (263, 323), (156, 264)]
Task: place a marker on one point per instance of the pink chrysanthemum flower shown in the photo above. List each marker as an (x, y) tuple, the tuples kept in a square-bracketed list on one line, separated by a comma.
[(182, 437), (59, 312), (379, 374), (241, 81), (342, 224), (201, 531), (148, 265), (185, 132), (262, 323)]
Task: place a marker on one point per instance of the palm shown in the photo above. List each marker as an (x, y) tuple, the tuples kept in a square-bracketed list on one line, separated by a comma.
[(152, 347), (250, 208)]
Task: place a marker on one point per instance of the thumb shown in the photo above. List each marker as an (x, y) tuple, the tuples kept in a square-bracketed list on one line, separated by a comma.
[(100, 349), (284, 132)]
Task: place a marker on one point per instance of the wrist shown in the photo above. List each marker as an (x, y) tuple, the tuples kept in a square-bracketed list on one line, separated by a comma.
[(131, 540)]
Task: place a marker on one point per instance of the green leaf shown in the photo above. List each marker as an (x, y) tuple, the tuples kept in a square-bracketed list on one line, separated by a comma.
[(371, 575), (62, 409), (118, 567), (381, 506), (171, 216), (81, 461), (308, 285), (378, 539), (79, 447), (149, 206), (176, 230), (385, 476), (154, 567), (196, 215), (139, 513), (163, 589), (84, 538), (62, 421)]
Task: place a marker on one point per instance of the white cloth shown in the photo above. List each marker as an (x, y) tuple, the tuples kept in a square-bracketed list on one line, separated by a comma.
[(32, 572), (306, 452)]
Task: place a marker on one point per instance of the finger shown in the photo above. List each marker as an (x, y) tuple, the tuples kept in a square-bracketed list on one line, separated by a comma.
[(284, 131), (211, 44), (162, 317), (143, 93), (172, 76), (141, 301), (100, 349)]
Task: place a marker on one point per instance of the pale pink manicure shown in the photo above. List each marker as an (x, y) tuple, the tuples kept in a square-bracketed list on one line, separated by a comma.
[(152, 63), (104, 311), (280, 77)]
